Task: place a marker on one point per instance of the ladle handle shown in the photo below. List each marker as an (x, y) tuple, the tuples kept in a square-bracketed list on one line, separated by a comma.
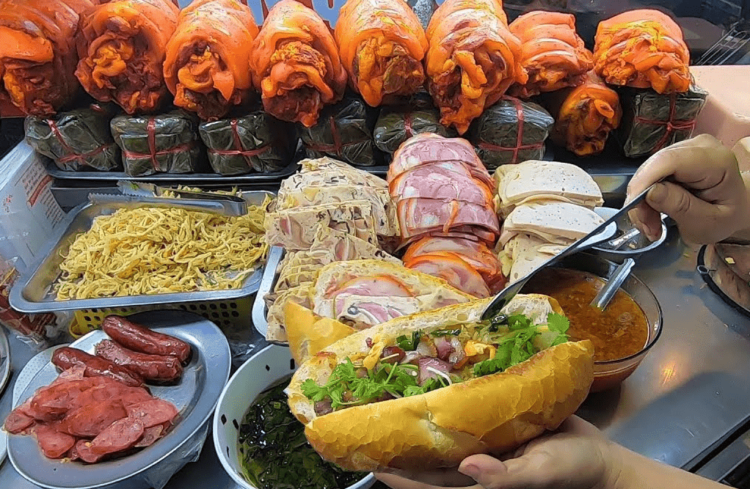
[(613, 284)]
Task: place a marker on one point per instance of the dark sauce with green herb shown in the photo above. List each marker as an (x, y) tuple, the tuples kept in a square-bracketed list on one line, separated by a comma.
[(274, 451)]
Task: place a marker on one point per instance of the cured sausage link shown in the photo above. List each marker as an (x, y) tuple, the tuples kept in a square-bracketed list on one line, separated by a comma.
[(67, 357), (144, 340), (151, 367)]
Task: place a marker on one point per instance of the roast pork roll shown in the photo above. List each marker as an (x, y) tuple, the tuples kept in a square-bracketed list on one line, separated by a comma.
[(584, 116), (552, 53), (38, 55), (296, 64), (472, 60), (382, 45), (642, 49), (122, 46), (207, 67)]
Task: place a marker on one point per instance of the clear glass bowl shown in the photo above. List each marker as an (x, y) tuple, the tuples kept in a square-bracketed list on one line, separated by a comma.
[(610, 373)]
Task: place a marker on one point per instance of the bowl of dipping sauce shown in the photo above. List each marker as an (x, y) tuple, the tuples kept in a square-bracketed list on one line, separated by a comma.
[(260, 444), (633, 248), (622, 334)]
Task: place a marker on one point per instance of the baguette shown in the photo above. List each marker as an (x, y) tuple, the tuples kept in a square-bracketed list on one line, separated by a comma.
[(489, 414)]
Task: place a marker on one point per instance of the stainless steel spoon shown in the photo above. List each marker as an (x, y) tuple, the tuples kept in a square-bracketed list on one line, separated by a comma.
[(605, 295)]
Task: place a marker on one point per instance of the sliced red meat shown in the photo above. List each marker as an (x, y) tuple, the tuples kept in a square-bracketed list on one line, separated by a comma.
[(453, 270), (119, 436), (428, 368), (377, 310), (457, 355), (428, 148), (17, 421), (444, 348), (91, 419), (53, 402), (52, 442), (153, 412), (150, 436), (392, 354), (441, 182), (423, 216), (473, 252), (111, 391)]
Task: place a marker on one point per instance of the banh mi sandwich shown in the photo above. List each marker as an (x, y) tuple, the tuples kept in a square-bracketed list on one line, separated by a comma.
[(308, 333), (554, 222), (427, 390), (544, 180), (363, 293)]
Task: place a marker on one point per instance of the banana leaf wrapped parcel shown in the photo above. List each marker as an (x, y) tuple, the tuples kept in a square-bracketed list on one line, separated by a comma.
[(511, 131), (257, 142), (165, 143), (344, 132), (397, 124), (652, 121), (76, 140)]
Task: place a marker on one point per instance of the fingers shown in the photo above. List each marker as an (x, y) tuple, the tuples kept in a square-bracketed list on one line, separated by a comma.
[(491, 473), (398, 482), (579, 426), (693, 215), (700, 163), (647, 220), (438, 477)]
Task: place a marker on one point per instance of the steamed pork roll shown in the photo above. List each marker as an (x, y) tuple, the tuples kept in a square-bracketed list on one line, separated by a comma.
[(38, 55), (472, 60), (553, 55), (382, 45), (122, 45), (642, 49), (296, 64), (584, 116), (207, 68)]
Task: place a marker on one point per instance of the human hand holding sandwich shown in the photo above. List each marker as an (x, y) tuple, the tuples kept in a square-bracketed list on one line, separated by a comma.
[(700, 187), (577, 456)]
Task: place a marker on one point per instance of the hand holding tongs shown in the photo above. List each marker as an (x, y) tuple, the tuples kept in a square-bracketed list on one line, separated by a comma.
[(153, 196), (594, 237)]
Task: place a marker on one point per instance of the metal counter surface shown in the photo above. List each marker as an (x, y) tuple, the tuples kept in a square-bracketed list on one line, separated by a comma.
[(689, 392)]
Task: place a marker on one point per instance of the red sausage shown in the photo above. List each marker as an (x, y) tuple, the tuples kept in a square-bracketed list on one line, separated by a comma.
[(90, 420), (150, 367), (117, 437), (67, 357), (144, 340), (53, 402), (150, 435)]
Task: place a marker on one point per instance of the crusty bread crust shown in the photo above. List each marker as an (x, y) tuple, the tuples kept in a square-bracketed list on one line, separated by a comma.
[(308, 333), (490, 414)]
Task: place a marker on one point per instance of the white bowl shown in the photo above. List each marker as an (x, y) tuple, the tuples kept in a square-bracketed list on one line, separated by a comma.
[(256, 375)]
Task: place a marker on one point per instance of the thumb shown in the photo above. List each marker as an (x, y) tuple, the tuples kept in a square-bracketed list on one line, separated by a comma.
[(694, 216), (491, 473)]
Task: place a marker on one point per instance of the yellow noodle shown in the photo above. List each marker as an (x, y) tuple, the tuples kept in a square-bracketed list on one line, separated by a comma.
[(158, 251)]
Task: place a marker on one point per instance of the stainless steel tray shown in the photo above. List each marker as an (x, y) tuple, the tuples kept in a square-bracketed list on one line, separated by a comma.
[(55, 172), (267, 283), (33, 292), (195, 396)]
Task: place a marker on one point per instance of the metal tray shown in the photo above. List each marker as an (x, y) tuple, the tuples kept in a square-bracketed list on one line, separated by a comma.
[(722, 280), (195, 396), (267, 283), (4, 360), (32, 293), (55, 172)]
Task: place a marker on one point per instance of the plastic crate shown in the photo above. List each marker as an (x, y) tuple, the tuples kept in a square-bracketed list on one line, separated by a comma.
[(225, 314)]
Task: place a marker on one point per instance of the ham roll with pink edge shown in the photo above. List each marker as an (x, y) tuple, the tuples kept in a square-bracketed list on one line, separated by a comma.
[(444, 203)]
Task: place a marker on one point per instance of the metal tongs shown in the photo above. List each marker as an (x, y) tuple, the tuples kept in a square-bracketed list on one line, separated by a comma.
[(594, 237), (153, 196)]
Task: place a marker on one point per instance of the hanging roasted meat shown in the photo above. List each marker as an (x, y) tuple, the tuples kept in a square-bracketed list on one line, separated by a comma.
[(207, 68), (642, 49), (38, 55), (296, 64), (472, 60), (122, 45), (584, 116), (382, 45), (553, 55)]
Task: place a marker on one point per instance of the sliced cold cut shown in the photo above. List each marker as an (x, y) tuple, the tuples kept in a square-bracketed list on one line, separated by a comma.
[(119, 436), (90, 420), (153, 412), (52, 442)]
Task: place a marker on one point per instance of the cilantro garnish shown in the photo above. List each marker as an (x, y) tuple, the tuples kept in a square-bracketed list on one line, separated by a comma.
[(409, 344), (446, 332)]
